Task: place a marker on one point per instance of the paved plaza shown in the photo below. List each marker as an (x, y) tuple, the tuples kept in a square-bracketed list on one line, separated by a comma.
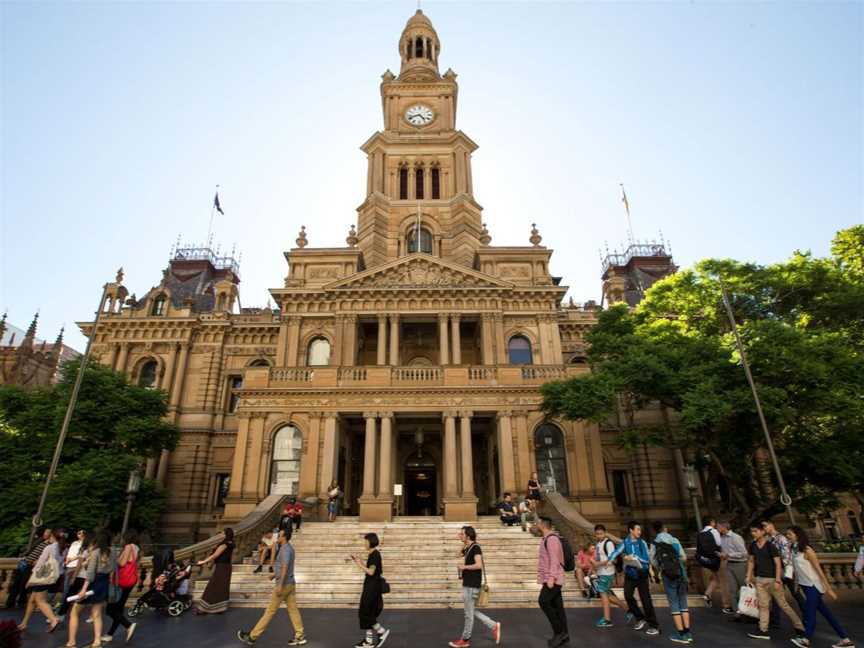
[(338, 628)]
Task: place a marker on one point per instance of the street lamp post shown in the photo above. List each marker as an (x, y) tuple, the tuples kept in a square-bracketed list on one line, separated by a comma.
[(693, 487), (132, 489)]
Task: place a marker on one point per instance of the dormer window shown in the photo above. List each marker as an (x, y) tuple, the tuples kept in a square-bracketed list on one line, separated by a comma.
[(158, 306), (425, 241)]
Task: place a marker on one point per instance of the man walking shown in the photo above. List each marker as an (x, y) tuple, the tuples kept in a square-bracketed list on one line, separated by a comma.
[(765, 568), (784, 548), (735, 548), (636, 563), (470, 568), (670, 560), (709, 554), (605, 576), (284, 590), (550, 575)]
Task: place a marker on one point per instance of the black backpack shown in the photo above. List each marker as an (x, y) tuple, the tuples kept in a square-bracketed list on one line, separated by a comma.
[(667, 558), (707, 549), (569, 563)]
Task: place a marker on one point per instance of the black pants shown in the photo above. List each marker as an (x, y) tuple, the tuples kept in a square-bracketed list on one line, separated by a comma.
[(510, 520), (552, 604), (74, 588), (297, 521), (640, 583), (18, 589), (117, 611), (799, 599)]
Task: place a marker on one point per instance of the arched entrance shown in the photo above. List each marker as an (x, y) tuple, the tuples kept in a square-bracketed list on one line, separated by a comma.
[(551, 458), (421, 485)]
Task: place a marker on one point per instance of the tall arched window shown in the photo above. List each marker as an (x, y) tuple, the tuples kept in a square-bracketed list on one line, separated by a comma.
[(425, 240), (318, 354), (418, 183), (418, 48), (403, 184), (158, 306), (551, 458), (285, 467), (436, 183), (519, 350), (147, 374)]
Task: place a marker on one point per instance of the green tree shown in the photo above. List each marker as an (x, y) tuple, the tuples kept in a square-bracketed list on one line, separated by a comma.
[(115, 428), (801, 324)]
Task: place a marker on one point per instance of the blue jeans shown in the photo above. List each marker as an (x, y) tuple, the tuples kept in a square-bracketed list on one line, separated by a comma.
[(813, 603), (676, 594), (469, 598)]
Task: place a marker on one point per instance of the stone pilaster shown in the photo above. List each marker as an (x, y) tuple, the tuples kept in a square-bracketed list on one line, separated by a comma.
[(457, 340), (382, 340), (506, 463), (394, 340), (443, 340)]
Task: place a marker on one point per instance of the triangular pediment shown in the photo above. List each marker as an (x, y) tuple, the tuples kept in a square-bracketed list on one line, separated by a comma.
[(418, 271)]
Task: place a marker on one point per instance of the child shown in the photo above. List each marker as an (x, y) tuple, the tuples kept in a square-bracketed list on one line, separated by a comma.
[(585, 570)]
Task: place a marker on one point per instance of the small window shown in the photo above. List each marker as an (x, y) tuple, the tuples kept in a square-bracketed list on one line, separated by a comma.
[(223, 485), (319, 353), (147, 375), (158, 306), (234, 383), (519, 350), (854, 525), (403, 184), (418, 184), (619, 487), (436, 183), (425, 241), (418, 48)]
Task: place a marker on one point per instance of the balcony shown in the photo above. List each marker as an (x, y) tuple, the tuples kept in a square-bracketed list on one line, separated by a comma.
[(384, 377)]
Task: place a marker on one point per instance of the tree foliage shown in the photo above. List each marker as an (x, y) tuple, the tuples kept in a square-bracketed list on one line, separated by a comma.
[(803, 333), (115, 427)]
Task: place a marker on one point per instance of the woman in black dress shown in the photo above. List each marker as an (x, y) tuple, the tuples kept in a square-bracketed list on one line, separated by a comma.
[(214, 600), (372, 598), (533, 495)]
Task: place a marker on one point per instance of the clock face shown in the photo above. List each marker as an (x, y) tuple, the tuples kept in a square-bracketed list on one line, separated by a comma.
[(419, 115)]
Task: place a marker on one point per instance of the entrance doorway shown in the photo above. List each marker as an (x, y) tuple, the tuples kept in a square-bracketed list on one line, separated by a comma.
[(421, 486)]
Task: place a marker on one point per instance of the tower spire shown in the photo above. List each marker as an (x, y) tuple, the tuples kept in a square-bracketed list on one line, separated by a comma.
[(30, 336)]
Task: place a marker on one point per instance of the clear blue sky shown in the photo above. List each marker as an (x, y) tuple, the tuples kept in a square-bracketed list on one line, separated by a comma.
[(736, 128)]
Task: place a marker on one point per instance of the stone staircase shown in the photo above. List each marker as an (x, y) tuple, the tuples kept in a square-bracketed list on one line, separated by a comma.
[(419, 554)]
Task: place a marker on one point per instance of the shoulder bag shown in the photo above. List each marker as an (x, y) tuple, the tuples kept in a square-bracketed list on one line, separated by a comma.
[(483, 598)]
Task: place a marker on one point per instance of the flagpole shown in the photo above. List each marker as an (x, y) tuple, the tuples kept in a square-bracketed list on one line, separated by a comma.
[(627, 209), (212, 212)]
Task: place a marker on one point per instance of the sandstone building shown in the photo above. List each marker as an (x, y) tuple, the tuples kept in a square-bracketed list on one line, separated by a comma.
[(28, 362), (409, 358)]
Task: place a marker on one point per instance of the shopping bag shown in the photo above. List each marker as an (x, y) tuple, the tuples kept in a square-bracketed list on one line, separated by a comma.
[(748, 602)]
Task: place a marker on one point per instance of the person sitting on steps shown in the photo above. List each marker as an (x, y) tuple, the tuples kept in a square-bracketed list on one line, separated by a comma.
[(507, 511)]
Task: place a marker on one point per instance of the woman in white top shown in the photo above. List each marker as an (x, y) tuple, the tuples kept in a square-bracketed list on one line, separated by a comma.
[(812, 580), (75, 559), (53, 551)]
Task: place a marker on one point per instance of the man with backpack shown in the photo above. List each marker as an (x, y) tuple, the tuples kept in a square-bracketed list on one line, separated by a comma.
[(605, 576), (551, 565), (709, 554), (669, 559), (636, 563)]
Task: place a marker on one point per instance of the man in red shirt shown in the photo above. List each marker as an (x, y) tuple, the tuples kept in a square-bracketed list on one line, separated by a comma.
[(550, 574), (293, 513)]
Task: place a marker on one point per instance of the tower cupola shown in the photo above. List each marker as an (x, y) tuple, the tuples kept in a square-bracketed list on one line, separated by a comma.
[(419, 48)]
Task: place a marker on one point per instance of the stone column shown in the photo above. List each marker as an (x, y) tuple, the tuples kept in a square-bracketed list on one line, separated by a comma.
[(339, 341), (256, 456), (309, 454), (457, 340), (121, 358), (329, 457), (385, 462), (500, 346), (523, 447), (443, 340), (168, 375), (506, 462), (350, 335), (369, 455), (113, 361), (451, 466), (486, 336), (382, 339), (394, 340), (291, 357), (282, 345), (177, 388), (238, 466), (467, 455)]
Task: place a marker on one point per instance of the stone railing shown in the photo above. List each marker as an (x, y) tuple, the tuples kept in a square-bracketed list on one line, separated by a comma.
[(247, 535), (424, 375), (292, 375)]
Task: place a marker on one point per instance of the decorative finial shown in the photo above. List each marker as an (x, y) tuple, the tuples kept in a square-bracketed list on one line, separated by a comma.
[(59, 341), (352, 237), (119, 278), (301, 241), (535, 235), (485, 239)]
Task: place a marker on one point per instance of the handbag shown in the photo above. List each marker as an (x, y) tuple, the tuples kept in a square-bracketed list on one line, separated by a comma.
[(46, 574), (483, 597), (127, 575), (748, 602), (385, 586)]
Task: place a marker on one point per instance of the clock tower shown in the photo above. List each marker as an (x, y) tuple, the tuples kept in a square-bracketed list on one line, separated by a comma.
[(419, 162)]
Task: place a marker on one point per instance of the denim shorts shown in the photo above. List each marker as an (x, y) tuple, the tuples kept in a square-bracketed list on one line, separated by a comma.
[(676, 593), (604, 584)]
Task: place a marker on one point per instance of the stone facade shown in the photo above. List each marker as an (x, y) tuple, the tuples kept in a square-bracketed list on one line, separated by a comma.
[(410, 358), (26, 361)]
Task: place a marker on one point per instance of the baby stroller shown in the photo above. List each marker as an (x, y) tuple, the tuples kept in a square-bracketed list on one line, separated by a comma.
[(169, 591)]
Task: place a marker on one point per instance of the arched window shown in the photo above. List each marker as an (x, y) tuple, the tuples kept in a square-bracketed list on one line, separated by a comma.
[(318, 354), (418, 183), (425, 240), (519, 350), (418, 48), (158, 306), (403, 184), (285, 467), (260, 362), (551, 458), (436, 183), (147, 374)]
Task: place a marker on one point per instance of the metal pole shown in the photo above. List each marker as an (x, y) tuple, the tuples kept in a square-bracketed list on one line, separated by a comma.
[(784, 495), (696, 511), (129, 499), (64, 429)]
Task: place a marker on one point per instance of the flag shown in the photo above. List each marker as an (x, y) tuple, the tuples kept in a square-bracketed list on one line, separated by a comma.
[(216, 204)]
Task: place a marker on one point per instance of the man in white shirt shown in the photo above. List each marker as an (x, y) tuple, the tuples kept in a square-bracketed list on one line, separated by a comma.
[(605, 547), (709, 554), (735, 548)]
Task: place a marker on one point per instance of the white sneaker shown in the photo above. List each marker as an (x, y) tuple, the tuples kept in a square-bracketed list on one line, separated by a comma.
[(640, 624), (383, 637), (107, 638), (89, 620)]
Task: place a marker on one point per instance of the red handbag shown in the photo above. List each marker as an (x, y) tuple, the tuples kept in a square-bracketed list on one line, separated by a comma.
[(127, 575)]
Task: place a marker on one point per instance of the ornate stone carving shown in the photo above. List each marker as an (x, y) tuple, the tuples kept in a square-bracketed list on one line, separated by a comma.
[(301, 240), (352, 237), (535, 235)]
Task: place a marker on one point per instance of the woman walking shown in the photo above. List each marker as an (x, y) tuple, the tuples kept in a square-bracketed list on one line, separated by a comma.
[(333, 495), (214, 600), (372, 598), (127, 579), (97, 573), (471, 568), (812, 580), (46, 576), (75, 558)]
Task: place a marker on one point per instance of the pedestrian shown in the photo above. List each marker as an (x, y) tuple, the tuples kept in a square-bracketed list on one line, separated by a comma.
[(670, 560), (735, 548), (471, 569), (267, 549), (526, 513), (294, 510), (333, 495), (533, 494), (18, 595), (76, 557), (634, 551), (215, 598), (45, 578), (765, 569), (810, 577), (126, 580), (94, 590), (550, 575), (284, 591), (585, 569), (372, 597), (784, 548), (605, 569), (709, 554)]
